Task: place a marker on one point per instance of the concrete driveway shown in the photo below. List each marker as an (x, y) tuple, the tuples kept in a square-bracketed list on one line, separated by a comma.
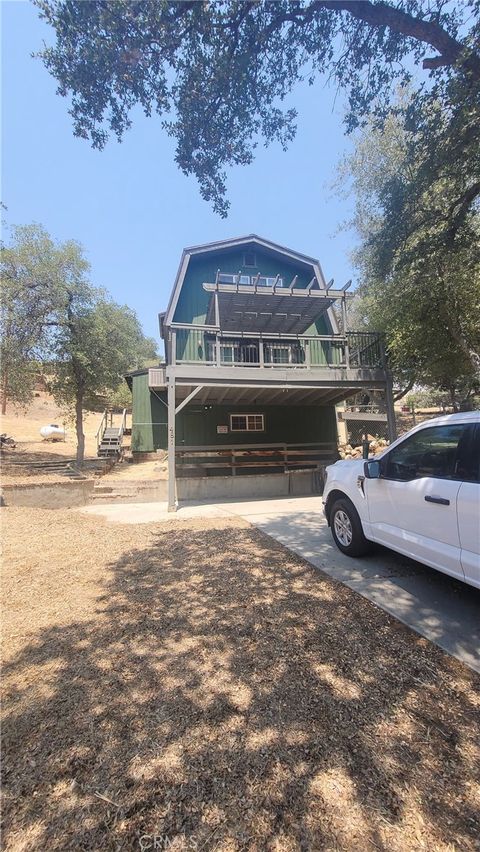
[(441, 609)]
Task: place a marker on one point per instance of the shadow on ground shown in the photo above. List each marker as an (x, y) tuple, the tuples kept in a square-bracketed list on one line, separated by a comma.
[(225, 695), (439, 607)]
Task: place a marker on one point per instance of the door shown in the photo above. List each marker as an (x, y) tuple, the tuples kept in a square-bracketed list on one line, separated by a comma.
[(468, 509), (413, 506)]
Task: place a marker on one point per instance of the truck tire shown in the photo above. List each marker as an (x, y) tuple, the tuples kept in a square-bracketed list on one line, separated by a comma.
[(347, 529)]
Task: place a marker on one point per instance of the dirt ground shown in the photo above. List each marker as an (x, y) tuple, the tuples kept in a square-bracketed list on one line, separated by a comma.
[(24, 426), (195, 685)]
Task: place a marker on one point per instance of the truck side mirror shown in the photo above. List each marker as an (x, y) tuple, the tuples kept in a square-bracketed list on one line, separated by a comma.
[(371, 469)]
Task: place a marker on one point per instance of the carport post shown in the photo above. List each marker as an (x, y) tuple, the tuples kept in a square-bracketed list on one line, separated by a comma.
[(172, 505), (392, 425)]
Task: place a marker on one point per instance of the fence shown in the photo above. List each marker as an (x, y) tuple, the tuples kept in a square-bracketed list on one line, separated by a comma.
[(365, 414), (238, 458)]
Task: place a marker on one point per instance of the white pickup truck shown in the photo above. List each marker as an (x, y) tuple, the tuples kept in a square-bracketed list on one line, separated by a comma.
[(420, 496)]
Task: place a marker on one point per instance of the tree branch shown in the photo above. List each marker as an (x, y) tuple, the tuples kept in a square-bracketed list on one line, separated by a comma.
[(463, 204), (383, 15), (404, 391)]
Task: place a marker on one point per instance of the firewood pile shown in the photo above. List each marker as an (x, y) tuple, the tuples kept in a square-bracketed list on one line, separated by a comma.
[(376, 445)]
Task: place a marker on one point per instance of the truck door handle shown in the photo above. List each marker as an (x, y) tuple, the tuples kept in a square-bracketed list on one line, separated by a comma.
[(442, 500)]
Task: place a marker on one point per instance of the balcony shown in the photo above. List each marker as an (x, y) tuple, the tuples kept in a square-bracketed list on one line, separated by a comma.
[(200, 347)]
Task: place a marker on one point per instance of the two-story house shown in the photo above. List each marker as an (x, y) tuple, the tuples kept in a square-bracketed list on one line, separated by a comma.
[(254, 364)]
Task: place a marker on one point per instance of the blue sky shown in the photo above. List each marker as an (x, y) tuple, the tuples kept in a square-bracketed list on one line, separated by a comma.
[(130, 206)]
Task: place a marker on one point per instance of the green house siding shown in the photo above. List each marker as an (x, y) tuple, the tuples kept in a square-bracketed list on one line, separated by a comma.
[(193, 302), (283, 424), (149, 417), (197, 425)]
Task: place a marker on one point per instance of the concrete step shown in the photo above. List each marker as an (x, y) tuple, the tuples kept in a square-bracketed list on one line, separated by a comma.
[(130, 491)]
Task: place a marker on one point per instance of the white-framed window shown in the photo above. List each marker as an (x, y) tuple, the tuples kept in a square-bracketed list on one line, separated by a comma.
[(227, 278), (269, 281), (261, 280), (247, 423), (229, 353), (278, 353)]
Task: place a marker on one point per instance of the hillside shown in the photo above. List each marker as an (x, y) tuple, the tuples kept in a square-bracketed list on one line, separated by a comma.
[(24, 426)]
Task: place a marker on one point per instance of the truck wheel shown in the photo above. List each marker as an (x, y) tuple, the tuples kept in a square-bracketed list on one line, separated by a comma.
[(347, 529)]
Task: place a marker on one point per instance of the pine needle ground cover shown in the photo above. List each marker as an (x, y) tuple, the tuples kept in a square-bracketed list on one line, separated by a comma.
[(195, 685)]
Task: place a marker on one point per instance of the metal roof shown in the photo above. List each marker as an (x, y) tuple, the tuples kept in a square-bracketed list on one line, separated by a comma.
[(266, 309)]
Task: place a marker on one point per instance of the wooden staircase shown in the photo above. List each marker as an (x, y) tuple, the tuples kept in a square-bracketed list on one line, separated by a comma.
[(110, 436)]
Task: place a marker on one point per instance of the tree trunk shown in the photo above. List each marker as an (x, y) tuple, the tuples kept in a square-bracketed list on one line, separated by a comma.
[(4, 391), (79, 428), (453, 398)]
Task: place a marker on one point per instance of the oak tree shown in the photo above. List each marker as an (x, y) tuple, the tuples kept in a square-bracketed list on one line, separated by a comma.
[(220, 73)]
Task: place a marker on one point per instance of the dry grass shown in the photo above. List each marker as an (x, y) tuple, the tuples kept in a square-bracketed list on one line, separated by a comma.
[(24, 426), (197, 682)]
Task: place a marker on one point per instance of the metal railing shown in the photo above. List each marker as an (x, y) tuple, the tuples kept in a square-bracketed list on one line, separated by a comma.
[(365, 349), (106, 417), (190, 345), (123, 425), (102, 427)]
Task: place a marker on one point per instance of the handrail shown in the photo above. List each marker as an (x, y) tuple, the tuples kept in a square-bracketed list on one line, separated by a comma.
[(236, 456), (196, 449), (101, 428), (123, 424)]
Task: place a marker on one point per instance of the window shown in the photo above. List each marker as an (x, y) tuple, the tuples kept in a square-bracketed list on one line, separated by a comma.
[(265, 281), (227, 278), (250, 258), (228, 353), (247, 423), (260, 280), (281, 353), (441, 452)]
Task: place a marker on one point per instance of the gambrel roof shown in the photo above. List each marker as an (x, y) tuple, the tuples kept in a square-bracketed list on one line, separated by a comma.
[(248, 241)]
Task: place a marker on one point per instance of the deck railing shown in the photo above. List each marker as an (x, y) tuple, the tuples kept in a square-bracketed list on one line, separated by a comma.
[(190, 345), (252, 457)]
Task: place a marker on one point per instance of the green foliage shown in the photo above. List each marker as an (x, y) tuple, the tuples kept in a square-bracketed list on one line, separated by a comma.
[(50, 311), (220, 73), (119, 398), (420, 244), (98, 341), (428, 398), (35, 273)]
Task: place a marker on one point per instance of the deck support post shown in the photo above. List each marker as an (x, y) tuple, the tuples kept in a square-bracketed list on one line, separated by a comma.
[(392, 426), (345, 331), (172, 505)]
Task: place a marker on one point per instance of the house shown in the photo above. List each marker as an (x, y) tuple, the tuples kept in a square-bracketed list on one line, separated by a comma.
[(254, 364)]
